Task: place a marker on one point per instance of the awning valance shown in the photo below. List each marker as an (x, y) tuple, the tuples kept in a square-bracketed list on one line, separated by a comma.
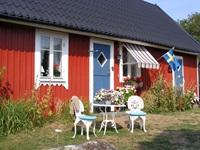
[(142, 56)]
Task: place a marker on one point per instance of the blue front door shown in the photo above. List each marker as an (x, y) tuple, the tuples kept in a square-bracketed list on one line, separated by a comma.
[(101, 67), (178, 76)]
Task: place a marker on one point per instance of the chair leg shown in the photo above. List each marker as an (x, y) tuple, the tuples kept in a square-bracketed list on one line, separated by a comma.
[(130, 123), (141, 123), (82, 128), (144, 123), (87, 124), (105, 126), (94, 128), (87, 132), (75, 123), (132, 118), (132, 126)]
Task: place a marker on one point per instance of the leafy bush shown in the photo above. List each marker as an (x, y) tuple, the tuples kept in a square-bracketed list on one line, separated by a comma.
[(28, 112), (17, 116), (5, 88), (163, 97), (187, 100)]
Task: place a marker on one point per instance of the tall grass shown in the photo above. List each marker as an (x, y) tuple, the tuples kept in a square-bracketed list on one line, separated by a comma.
[(15, 116), (18, 116)]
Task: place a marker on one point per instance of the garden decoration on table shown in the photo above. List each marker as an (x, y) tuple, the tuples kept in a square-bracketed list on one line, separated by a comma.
[(133, 81), (115, 97), (126, 92)]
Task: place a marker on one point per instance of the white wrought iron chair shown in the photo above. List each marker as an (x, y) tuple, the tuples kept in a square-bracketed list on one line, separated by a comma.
[(86, 120), (135, 104)]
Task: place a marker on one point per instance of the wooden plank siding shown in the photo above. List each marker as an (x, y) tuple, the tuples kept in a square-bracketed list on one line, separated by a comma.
[(116, 66), (17, 47), (17, 55), (79, 65), (190, 69), (150, 75), (17, 50)]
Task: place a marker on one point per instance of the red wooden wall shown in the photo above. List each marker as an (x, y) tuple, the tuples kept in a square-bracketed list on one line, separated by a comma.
[(17, 55), (190, 68), (17, 46)]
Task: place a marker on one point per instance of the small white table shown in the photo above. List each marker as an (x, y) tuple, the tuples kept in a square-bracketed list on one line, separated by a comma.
[(105, 115)]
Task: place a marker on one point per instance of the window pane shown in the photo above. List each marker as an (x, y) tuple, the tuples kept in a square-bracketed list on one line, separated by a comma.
[(125, 60), (57, 64), (125, 70), (44, 69), (45, 42), (57, 44), (125, 56)]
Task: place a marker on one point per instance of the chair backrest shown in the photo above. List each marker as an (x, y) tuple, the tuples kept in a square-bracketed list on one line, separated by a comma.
[(135, 103), (77, 106)]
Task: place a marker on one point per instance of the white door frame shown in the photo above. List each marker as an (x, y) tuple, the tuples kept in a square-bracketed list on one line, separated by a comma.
[(91, 65), (180, 57)]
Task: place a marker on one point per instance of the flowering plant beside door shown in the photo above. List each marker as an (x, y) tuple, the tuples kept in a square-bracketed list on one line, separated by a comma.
[(113, 96), (126, 92)]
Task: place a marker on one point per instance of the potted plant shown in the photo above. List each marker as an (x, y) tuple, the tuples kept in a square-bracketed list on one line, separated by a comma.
[(133, 81), (56, 71), (109, 97), (126, 92), (139, 81)]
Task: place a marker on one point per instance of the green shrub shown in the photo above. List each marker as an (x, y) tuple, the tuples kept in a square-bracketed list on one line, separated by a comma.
[(187, 100), (163, 97), (18, 116)]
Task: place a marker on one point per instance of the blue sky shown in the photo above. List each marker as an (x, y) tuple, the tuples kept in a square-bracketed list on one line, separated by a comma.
[(177, 9)]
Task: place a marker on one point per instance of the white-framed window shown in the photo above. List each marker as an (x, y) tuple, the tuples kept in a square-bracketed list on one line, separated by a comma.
[(51, 58), (128, 64)]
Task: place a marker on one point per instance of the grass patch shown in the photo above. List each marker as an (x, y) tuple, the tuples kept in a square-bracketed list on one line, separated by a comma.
[(178, 130)]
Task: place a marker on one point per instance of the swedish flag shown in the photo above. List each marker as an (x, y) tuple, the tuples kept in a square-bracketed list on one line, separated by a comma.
[(171, 59)]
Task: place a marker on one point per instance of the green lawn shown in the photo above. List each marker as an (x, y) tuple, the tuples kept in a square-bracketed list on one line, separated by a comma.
[(171, 131)]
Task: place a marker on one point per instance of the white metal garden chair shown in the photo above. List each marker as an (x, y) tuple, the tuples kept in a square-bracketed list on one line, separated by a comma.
[(86, 120), (135, 104)]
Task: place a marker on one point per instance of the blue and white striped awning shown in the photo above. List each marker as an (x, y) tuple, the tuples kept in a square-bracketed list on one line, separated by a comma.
[(142, 56)]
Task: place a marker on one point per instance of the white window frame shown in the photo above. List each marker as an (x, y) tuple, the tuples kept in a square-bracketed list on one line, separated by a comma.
[(40, 80), (129, 63)]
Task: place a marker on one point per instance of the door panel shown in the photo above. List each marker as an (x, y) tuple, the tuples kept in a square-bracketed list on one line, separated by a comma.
[(101, 67)]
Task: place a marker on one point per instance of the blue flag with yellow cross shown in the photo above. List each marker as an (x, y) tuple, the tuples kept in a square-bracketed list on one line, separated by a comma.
[(171, 59)]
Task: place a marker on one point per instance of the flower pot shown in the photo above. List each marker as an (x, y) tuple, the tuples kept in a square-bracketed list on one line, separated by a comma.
[(128, 85), (108, 102), (140, 85)]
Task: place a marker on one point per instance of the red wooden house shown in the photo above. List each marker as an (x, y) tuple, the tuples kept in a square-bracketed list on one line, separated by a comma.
[(81, 46)]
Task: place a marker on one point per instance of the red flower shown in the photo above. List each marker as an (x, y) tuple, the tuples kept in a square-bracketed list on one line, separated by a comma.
[(56, 66), (139, 79)]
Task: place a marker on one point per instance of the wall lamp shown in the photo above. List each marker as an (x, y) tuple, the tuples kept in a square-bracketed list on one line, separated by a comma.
[(118, 58)]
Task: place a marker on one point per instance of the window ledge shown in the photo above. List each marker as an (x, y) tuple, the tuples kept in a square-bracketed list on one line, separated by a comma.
[(54, 81)]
